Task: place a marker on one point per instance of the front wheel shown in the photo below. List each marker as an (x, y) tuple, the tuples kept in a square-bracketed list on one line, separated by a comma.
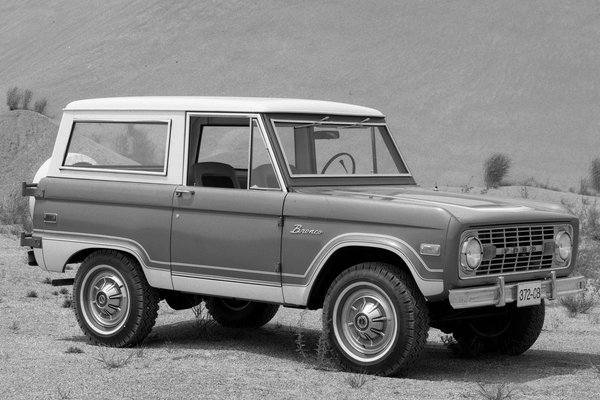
[(375, 319), (113, 302)]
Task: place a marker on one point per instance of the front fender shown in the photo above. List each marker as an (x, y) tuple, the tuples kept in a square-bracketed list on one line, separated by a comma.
[(429, 280)]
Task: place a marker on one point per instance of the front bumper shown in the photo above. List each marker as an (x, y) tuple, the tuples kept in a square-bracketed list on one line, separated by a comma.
[(501, 293)]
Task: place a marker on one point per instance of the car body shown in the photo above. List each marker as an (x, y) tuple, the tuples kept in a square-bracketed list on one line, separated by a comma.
[(252, 203)]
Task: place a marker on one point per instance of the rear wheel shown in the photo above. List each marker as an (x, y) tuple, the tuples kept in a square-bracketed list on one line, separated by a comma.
[(113, 302), (375, 319), (511, 332), (235, 313)]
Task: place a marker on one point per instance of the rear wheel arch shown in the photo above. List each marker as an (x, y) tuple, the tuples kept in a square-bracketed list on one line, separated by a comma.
[(81, 255)]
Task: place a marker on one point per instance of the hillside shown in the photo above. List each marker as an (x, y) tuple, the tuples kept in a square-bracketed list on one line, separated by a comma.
[(26, 141), (458, 80)]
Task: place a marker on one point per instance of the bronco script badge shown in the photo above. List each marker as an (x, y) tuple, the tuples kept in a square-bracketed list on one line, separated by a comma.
[(299, 230)]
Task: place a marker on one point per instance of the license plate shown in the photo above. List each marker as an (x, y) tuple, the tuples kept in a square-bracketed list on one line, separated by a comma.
[(529, 294)]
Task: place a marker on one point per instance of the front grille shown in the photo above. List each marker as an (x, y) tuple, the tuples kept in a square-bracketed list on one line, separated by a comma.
[(513, 249)]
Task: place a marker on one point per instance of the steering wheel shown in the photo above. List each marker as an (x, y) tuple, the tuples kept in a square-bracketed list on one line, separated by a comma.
[(335, 157)]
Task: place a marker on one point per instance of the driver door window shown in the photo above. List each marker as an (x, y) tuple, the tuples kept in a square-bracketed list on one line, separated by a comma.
[(229, 153)]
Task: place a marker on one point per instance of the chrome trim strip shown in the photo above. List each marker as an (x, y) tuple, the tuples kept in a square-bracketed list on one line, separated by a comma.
[(298, 294), (221, 268), (238, 290), (361, 239), (224, 279), (95, 239)]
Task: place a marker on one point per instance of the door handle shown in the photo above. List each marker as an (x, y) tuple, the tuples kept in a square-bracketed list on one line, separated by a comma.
[(181, 192)]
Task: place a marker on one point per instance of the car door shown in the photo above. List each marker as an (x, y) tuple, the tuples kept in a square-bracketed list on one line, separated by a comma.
[(226, 230)]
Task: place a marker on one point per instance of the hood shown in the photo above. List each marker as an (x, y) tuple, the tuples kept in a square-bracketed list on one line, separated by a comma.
[(465, 208)]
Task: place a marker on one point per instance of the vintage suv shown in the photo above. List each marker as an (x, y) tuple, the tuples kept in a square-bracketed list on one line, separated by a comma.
[(252, 203)]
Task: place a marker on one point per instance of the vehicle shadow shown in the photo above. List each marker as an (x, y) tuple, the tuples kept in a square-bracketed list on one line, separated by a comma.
[(301, 345)]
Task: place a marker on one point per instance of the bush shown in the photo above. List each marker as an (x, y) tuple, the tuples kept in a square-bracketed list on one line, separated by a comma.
[(40, 106), (17, 99), (579, 304), (495, 170), (13, 98), (14, 210), (26, 99), (595, 174)]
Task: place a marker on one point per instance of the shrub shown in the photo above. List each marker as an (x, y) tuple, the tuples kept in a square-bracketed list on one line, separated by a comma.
[(73, 350), (579, 304), (496, 392), (40, 106), (14, 210), (27, 94), (17, 99), (67, 303), (13, 98), (203, 321), (495, 169), (112, 361), (32, 294), (584, 187), (356, 381), (595, 174)]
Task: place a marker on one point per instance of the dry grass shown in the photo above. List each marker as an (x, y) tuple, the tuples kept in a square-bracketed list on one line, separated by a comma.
[(580, 304), (73, 350), (357, 381), (203, 322), (501, 391), (113, 359)]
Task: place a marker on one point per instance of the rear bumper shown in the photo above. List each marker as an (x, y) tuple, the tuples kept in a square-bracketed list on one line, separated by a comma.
[(501, 293)]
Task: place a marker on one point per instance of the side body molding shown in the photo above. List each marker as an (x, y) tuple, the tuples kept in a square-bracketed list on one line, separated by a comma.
[(429, 280), (59, 247)]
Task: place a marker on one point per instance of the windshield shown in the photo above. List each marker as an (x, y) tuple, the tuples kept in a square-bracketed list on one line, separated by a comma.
[(338, 149)]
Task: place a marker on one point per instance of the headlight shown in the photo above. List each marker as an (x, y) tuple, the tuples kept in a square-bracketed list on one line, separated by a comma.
[(564, 246), (471, 253)]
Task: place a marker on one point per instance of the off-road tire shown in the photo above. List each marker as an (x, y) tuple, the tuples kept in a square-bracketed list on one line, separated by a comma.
[(515, 335), (369, 298), (234, 313), (524, 330), (113, 302)]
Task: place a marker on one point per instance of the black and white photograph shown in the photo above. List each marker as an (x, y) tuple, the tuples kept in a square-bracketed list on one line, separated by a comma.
[(336, 199)]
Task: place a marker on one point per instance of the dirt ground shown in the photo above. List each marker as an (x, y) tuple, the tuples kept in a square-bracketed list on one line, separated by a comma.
[(43, 355)]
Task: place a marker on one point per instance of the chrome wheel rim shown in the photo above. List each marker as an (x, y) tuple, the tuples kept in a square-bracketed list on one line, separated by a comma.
[(105, 300), (364, 322)]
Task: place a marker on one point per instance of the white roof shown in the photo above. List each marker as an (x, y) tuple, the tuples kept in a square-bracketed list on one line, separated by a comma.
[(223, 104)]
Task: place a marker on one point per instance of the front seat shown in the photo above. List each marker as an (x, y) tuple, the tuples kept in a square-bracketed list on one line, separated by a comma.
[(215, 174)]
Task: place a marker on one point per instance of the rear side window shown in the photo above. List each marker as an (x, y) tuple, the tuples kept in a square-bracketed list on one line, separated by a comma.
[(119, 146)]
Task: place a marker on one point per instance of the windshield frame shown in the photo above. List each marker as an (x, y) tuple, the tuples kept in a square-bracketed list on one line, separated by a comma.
[(295, 179)]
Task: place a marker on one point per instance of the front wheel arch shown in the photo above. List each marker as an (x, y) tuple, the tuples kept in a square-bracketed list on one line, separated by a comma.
[(345, 258)]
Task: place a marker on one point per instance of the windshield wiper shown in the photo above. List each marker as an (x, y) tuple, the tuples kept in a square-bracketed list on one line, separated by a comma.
[(358, 124), (318, 123)]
